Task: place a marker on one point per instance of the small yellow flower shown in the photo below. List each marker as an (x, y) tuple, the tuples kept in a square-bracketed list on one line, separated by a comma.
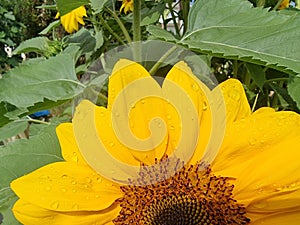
[(70, 20), (254, 178), (284, 4), (127, 6)]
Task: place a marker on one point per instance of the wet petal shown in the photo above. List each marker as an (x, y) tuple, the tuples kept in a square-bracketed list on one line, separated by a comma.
[(237, 106), (284, 218), (66, 187), (31, 214), (262, 153), (68, 144), (199, 94), (134, 101)]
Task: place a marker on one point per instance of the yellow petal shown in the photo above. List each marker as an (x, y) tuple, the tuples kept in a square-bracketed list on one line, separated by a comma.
[(208, 110), (66, 187), (237, 106), (262, 153), (284, 218), (136, 98), (31, 214), (68, 144)]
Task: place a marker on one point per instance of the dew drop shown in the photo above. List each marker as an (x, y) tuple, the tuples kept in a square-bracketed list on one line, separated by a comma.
[(234, 95), (64, 190), (252, 141), (111, 144), (54, 205), (195, 87), (88, 180), (99, 179), (204, 107), (48, 188), (64, 176), (117, 114), (172, 127), (73, 182), (97, 196), (101, 113), (143, 101), (74, 190), (169, 117)]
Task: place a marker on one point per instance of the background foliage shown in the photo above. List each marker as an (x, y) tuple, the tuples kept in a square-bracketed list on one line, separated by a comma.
[(252, 41)]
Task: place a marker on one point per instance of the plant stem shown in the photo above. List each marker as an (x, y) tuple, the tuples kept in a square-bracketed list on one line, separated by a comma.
[(173, 18), (185, 13), (161, 60), (277, 4), (111, 31), (137, 54), (36, 121), (120, 23)]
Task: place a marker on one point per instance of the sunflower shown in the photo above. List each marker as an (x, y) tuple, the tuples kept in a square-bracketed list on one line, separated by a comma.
[(284, 4), (253, 179), (127, 6), (70, 20)]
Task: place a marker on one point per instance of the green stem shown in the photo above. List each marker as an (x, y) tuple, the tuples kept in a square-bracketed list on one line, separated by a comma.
[(120, 23), (173, 18), (185, 13), (36, 121), (161, 60), (235, 68), (261, 3), (137, 52), (103, 22), (277, 4), (255, 102)]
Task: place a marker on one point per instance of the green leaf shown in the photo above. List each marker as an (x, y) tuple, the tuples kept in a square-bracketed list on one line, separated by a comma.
[(39, 45), (50, 27), (258, 74), (66, 6), (159, 33), (234, 29), (30, 85), (294, 89), (21, 157), (12, 129), (7, 200), (84, 39), (98, 6)]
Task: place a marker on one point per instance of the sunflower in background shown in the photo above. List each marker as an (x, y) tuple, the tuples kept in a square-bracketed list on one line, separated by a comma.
[(284, 4), (127, 6), (254, 178), (71, 20)]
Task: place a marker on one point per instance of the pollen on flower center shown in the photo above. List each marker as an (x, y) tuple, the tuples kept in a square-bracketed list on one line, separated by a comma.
[(193, 196)]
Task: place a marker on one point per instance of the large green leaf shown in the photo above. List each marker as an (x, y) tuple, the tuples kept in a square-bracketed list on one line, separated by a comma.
[(40, 45), (22, 157), (235, 29), (27, 86)]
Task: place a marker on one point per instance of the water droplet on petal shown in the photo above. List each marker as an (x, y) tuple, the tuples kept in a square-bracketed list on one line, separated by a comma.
[(117, 114), (169, 117), (74, 190), (73, 182), (64, 190), (97, 196), (88, 180), (111, 144), (252, 141), (48, 188), (195, 87), (54, 205), (64, 176), (204, 107), (99, 179), (143, 101)]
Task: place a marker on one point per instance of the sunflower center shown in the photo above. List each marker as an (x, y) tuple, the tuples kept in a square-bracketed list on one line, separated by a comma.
[(177, 210), (193, 196)]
